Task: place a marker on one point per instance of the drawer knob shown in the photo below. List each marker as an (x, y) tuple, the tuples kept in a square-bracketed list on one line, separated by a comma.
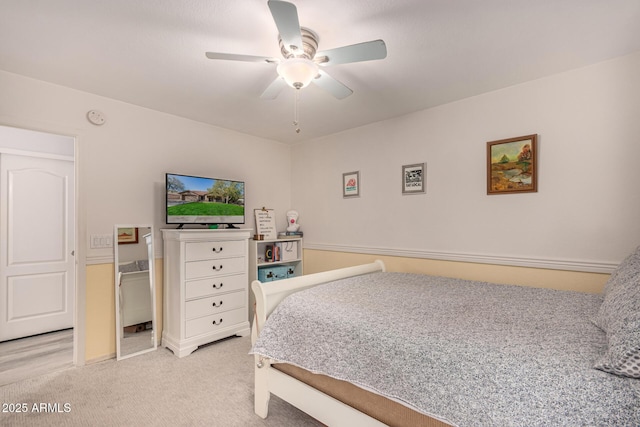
[(218, 286), (217, 269), (217, 305), (217, 250), (217, 323)]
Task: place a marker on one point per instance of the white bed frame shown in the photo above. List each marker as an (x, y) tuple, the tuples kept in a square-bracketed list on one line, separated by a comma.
[(269, 380)]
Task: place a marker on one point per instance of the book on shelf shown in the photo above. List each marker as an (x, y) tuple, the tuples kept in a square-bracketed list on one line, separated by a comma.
[(272, 253)]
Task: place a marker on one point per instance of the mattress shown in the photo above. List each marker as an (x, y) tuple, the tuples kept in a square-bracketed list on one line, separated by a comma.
[(466, 353)]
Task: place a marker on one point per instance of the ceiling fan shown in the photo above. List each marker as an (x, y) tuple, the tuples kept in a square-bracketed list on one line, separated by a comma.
[(301, 60)]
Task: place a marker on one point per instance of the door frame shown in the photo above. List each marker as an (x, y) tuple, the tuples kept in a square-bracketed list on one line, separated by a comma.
[(79, 314)]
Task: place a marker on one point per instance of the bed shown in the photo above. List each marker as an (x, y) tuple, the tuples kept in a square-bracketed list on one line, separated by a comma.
[(362, 346), (134, 293)]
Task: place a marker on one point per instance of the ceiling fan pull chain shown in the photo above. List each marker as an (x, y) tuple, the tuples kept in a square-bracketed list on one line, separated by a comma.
[(295, 110)]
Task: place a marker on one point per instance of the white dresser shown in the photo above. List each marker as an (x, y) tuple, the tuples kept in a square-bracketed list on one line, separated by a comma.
[(205, 287)]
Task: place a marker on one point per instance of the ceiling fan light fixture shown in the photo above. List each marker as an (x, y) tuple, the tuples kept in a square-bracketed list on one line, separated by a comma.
[(297, 72)]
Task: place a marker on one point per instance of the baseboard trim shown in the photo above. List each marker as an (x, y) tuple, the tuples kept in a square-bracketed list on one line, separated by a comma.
[(553, 264), (101, 358)]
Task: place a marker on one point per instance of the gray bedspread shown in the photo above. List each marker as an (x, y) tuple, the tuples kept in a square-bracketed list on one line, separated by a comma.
[(468, 353)]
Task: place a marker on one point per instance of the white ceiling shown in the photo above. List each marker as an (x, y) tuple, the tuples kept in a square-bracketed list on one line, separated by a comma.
[(152, 53)]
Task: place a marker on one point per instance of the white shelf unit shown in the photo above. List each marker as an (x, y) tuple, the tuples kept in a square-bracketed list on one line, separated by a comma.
[(257, 261)]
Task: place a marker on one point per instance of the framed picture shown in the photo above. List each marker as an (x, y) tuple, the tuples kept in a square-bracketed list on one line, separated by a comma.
[(512, 165), (127, 235), (351, 184), (413, 179)]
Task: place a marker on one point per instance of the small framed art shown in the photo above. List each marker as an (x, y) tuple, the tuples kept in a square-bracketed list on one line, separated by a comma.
[(127, 235), (512, 165), (351, 184), (413, 179)]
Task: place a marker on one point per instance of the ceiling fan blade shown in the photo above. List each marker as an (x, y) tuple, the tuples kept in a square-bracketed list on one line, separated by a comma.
[(285, 16), (273, 90), (331, 85), (244, 58), (367, 51)]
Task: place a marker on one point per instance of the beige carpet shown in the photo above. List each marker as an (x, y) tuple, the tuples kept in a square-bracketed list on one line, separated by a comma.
[(211, 387)]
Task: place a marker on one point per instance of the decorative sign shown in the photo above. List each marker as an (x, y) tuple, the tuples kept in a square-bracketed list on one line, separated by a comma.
[(266, 223), (351, 184), (413, 179)]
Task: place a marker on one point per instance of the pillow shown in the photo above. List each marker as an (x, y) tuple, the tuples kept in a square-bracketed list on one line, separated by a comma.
[(128, 268), (627, 270), (619, 290), (619, 318), (143, 265), (623, 350)]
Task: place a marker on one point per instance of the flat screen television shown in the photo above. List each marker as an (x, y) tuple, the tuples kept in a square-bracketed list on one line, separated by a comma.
[(201, 200)]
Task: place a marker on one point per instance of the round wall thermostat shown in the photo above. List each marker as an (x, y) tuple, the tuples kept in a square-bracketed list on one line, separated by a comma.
[(96, 117)]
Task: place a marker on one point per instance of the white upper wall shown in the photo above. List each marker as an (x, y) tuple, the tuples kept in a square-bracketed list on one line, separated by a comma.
[(587, 207), (122, 163)]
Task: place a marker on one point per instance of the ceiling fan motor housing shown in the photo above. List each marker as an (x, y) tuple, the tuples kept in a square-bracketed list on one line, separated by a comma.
[(309, 45)]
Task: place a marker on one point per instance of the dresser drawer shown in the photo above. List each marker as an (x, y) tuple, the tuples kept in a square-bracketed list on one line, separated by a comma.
[(214, 267), (209, 324), (215, 285), (211, 305), (196, 251)]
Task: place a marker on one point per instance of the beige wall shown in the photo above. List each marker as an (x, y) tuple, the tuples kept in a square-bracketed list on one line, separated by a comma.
[(315, 261), (100, 313)]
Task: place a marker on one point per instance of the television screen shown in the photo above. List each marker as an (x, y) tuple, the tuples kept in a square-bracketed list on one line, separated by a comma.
[(200, 200)]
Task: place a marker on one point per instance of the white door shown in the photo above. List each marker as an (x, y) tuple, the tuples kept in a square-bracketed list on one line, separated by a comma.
[(37, 277)]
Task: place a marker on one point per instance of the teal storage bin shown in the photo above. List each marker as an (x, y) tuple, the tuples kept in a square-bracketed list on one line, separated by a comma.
[(291, 271), (269, 274)]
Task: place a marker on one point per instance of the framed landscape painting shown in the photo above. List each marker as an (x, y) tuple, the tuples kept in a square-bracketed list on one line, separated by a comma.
[(512, 165), (127, 235)]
